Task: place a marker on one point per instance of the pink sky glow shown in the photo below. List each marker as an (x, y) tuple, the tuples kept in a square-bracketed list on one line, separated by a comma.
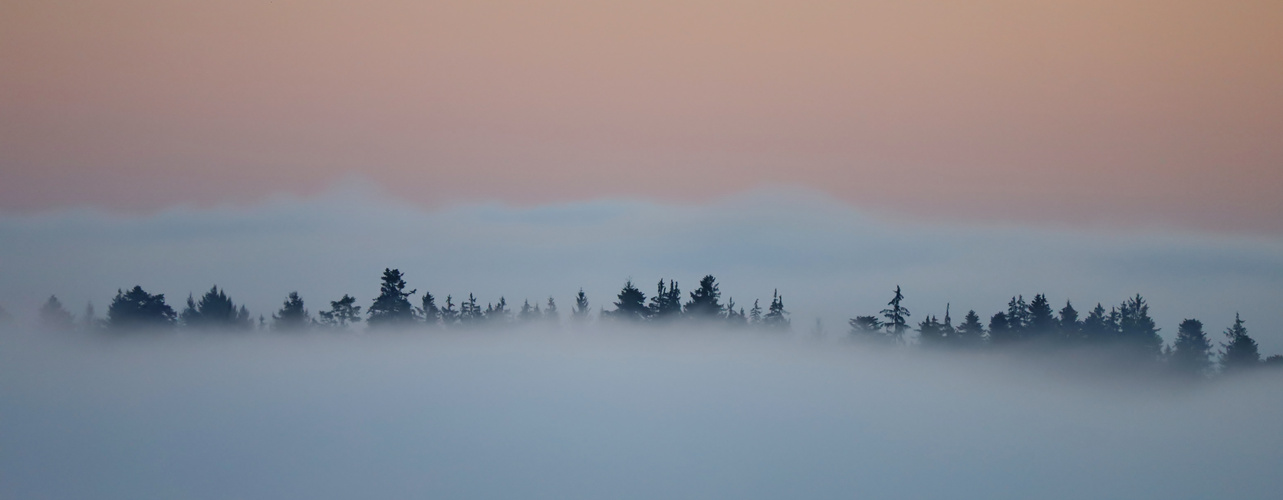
[(1134, 113)]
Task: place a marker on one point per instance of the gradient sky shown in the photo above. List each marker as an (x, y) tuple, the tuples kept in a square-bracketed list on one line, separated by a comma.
[(1132, 113)]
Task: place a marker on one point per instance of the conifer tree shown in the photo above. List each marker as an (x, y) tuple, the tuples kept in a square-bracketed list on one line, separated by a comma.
[(1137, 329), (470, 312), (867, 328), (1070, 327), (1191, 351), (448, 314), (550, 313), (1095, 328), (776, 317), (666, 303), (137, 309), (1041, 320), (755, 314), (428, 310), (897, 317), (970, 333), (580, 311), (733, 317), (528, 313), (292, 316), (1000, 332), (1239, 352), (946, 327), (392, 307), (342, 312), (930, 332), (215, 310), (630, 304), (705, 301), (498, 312), (54, 317), (1017, 318)]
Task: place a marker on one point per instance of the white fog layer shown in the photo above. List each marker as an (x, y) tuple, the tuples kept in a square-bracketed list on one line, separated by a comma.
[(607, 413)]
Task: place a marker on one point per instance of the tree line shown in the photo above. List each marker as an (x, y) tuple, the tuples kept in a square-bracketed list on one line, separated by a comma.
[(1126, 328)]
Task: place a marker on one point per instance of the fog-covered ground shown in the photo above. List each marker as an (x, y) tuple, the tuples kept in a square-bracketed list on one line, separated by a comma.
[(603, 412), (829, 261)]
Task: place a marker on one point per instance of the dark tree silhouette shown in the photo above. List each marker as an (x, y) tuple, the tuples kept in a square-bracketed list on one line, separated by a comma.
[(1137, 329), (733, 317), (1070, 327), (946, 327), (428, 310), (54, 317), (755, 314), (931, 332), (449, 315), (293, 316), (580, 311), (1000, 332), (1017, 318), (1275, 361), (776, 317), (550, 313), (470, 312), (630, 304), (215, 310), (1042, 321), (342, 312), (392, 306), (498, 312), (897, 317), (705, 302), (1095, 327), (970, 333), (1239, 351), (866, 328), (1191, 352), (137, 309), (528, 314), (666, 304)]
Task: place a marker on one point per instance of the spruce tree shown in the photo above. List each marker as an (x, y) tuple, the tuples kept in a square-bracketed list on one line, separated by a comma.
[(733, 317), (498, 312), (970, 333), (342, 312), (550, 313), (705, 301), (1000, 332), (215, 310), (666, 303), (630, 304), (755, 314), (866, 328), (292, 316), (1136, 329), (449, 315), (930, 332), (137, 309), (528, 313), (1070, 327), (776, 317), (1095, 328), (1042, 321), (1017, 318), (392, 307), (1191, 352), (897, 317), (470, 313), (54, 317), (428, 310), (1239, 352), (580, 311)]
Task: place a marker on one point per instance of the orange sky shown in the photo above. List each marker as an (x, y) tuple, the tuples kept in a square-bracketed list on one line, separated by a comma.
[(1126, 112)]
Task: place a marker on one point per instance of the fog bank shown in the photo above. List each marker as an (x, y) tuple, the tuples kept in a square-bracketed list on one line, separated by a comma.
[(605, 413)]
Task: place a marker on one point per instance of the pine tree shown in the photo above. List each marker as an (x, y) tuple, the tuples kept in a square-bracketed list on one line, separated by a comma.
[(528, 313), (1239, 352), (946, 327), (630, 304), (54, 317), (1017, 318), (705, 302), (897, 317), (470, 312), (1000, 332), (392, 307), (580, 311), (1042, 321), (666, 303), (550, 313), (866, 328), (498, 313), (776, 317), (137, 309), (755, 314), (930, 332), (449, 315), (215, 310), (1070, 327), (1095, 327), (1137, 329), (428, 310), (292, 316), (1191, 352), (342, 312), (970, 333)]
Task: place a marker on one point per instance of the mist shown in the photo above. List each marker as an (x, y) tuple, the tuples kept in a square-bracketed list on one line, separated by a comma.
[(830, 261), (607, 412)]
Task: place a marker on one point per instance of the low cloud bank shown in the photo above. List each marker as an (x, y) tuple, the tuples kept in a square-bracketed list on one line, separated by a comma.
[(605, 412)]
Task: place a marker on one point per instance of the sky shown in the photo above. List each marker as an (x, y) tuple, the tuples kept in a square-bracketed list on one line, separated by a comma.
[(1119, 114)]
